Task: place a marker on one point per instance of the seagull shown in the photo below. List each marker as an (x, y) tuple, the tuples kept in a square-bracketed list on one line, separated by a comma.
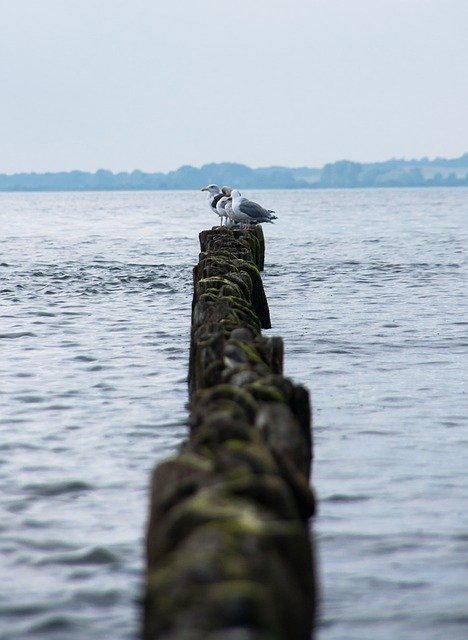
[(224, 208), (215, 193), (221, 206), (248, 212)]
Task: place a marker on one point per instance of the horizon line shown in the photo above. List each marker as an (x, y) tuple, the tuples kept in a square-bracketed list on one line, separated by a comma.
[(234, 163)]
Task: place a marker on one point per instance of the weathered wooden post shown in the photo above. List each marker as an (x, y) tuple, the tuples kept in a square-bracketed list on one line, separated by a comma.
[(229, 554)]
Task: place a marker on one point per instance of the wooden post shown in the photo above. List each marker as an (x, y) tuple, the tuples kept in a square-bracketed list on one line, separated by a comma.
[(229, 553)]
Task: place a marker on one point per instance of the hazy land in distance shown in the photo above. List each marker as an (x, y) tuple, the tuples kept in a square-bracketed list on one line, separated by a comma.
[(439, 172)]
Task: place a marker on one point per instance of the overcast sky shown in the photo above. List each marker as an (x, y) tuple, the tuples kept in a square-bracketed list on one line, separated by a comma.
[(156, 84)]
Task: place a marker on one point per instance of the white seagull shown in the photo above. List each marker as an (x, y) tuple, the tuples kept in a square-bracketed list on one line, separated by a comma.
[(248, 212), (215, 193), (224, 208)]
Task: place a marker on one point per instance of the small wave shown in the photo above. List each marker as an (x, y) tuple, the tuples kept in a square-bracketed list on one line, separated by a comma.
[(391, 547), (54, 624), (329, 372), (42, 314), (23, 610), (376, 432), (402, 400), (455, 619), (411, 584), (340, 497), (104, 386), (45, 544), (99, 598), (29, 399), (84, 359), (18, 334), (350, 351), (12, 446), (94, 556), (97, 367), (58, 488), (461, 537), (31, 523), (57, 407)]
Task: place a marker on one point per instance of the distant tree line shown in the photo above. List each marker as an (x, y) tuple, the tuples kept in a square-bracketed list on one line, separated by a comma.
[(396, 173), (440, 172)]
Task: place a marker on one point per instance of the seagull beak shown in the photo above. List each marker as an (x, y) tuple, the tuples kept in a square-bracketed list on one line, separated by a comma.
[(204, 189)]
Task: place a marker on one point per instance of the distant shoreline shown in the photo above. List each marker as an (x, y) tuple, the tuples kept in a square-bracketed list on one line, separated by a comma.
[(182, 189), (344, 174)]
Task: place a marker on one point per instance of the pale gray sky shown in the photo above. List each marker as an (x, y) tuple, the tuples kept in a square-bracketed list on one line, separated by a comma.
[(155, 84)]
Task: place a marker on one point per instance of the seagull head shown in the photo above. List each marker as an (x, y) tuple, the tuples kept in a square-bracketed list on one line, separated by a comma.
[(226, 190), (235, 193), (212, 189)]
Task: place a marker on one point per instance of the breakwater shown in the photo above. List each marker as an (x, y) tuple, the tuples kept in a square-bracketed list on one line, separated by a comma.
[(229, 554)]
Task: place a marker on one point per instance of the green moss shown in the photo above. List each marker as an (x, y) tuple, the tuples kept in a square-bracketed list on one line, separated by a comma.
[(254, 454), (230, 407), (249, 523), (230, 323), (265, 393), (243, 603), (249, 268), (231, 290), (212, 284), (245, 308), (210, 295), (229, 392), (199, 463), (242, 279), (249, 350), (210, 504), (222, 427)]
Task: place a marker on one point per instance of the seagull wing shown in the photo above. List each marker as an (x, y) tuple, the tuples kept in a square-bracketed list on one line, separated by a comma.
[(255, 211), (252, 209)]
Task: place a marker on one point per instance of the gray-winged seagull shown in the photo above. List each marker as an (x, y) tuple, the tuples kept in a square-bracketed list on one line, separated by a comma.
[(249, 212)]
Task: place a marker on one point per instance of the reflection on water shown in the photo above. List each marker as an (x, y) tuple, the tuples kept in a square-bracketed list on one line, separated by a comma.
[(368, 290)]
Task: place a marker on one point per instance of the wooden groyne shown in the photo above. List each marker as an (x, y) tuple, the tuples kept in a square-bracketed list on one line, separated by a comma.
[(229, 554)]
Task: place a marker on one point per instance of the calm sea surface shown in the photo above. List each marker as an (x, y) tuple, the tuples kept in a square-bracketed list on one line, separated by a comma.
[(368, 289)]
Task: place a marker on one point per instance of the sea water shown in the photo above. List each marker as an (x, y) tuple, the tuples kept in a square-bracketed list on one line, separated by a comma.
[(368, 290)]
